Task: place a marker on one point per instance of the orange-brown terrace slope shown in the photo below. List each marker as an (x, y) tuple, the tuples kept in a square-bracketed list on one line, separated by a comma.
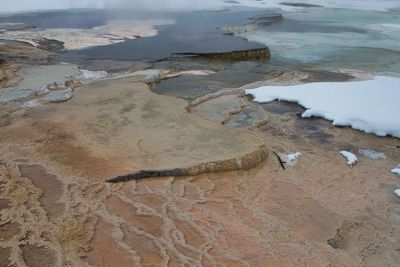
[(56, 209)]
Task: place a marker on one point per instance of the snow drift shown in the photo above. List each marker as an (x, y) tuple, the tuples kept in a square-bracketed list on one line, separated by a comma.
[(371, 106)]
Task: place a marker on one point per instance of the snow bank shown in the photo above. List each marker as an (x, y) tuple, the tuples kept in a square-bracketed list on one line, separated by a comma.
[(88, 75), (371, 106), (291, 159), (396, 170), (351, 158)]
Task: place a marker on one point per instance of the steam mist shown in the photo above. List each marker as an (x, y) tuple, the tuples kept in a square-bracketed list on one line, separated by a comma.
[(24, 5)]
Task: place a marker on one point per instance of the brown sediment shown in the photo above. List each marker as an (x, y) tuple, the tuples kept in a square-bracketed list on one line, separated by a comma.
[(148, 223), (5, 254), (51, 187), (105, 251), (34, 256), (9, 230), (20, 52)]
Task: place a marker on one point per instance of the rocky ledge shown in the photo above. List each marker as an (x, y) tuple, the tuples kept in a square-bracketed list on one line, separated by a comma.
[(260, 54), (245, 162)]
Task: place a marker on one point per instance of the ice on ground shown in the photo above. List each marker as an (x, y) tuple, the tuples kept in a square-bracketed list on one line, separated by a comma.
[(351, 158), (291, 159), (397, 192), (371, 106), (372, 154), (31, 104), (87, 75), (396, 170)]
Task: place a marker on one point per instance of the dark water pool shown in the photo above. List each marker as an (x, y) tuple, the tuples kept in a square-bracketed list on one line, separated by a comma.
[(193, 32)]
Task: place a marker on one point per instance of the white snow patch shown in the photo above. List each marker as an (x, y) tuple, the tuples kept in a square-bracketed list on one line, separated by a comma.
[(372, 154), (396, 170), (397, 192), (291, 159), (88, 75), (351, 158), (31, 104), (371, 106)]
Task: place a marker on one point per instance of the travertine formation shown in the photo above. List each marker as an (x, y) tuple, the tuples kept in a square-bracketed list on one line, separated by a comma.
[(314, 213), (56, 208)]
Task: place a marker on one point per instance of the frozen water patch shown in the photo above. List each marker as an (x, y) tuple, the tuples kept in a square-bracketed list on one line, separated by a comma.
[(31, 104), (351, 158), (397, 192), (371, 106), (291, 159), (372, 154), (396, 170), (87, 75)]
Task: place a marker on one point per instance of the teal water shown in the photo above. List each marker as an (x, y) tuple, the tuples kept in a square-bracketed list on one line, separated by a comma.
[(334, 38)]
